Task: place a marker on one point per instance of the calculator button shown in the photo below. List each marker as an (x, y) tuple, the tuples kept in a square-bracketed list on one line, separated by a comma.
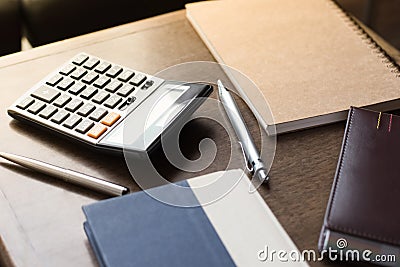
[(36, 107), (103, 67), (74, 105), (25, 103), (113, 86), (88, 92), (110, 119), (98, 114), (113, 101), (138, 79), (48, 112), (90, 77), (72, 121), (68, 69), (65, 83), (45, 93), (101, 82), (91, 63), (86, 109), (60, 116), (126, 75), (97, 131), (77, 88), (78, 73), (84, 126), (100, 97), (54, 80), (126, 90), (114, 71), (78, 60), (62, 100)]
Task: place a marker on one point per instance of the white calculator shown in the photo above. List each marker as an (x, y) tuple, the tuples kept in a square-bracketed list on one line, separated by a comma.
[(89, 99)]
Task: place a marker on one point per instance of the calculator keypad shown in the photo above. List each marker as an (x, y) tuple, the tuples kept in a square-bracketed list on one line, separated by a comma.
[(85, 97)]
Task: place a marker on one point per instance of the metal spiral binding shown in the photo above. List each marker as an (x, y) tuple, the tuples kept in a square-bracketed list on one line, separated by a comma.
[(376, 48)]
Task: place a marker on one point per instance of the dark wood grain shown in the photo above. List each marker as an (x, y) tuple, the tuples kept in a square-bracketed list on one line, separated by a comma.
[(41, 218)]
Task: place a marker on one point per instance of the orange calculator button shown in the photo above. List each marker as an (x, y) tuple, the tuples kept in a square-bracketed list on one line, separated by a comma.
[(110, 119), (97, 131)]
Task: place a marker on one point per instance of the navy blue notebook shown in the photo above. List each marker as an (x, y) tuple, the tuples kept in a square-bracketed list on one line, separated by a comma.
[(137, 230)]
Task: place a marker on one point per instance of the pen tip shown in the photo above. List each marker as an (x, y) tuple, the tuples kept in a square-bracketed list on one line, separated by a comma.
[(262, 174)]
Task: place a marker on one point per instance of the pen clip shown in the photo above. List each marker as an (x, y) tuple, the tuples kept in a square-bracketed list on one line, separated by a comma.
[(246, 162)]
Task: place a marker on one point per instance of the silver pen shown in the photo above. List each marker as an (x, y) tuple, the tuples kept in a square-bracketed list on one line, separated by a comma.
[(246, 141), (67, 175)]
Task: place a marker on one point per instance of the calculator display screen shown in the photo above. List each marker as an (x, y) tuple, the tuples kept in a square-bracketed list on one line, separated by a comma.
[(163, 109), (148, 121)]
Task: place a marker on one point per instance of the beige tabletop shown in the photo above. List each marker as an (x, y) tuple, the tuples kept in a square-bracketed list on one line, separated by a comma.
[(41, 218)]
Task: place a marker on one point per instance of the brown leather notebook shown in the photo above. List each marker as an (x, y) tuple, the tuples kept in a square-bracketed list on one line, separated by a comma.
[(310, 60), (363, 209)]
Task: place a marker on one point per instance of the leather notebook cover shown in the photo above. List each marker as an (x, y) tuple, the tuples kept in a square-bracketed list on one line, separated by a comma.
[(308, 57), (364, 203), (137, 230)]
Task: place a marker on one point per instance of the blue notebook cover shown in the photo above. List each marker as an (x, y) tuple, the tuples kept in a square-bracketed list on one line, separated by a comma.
[(137, 230), (232, 230)]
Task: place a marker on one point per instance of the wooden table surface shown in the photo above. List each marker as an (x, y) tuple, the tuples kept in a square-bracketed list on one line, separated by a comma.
[(41, 218)]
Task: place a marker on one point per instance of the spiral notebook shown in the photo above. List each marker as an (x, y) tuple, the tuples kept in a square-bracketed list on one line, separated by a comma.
[(309, 58)]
